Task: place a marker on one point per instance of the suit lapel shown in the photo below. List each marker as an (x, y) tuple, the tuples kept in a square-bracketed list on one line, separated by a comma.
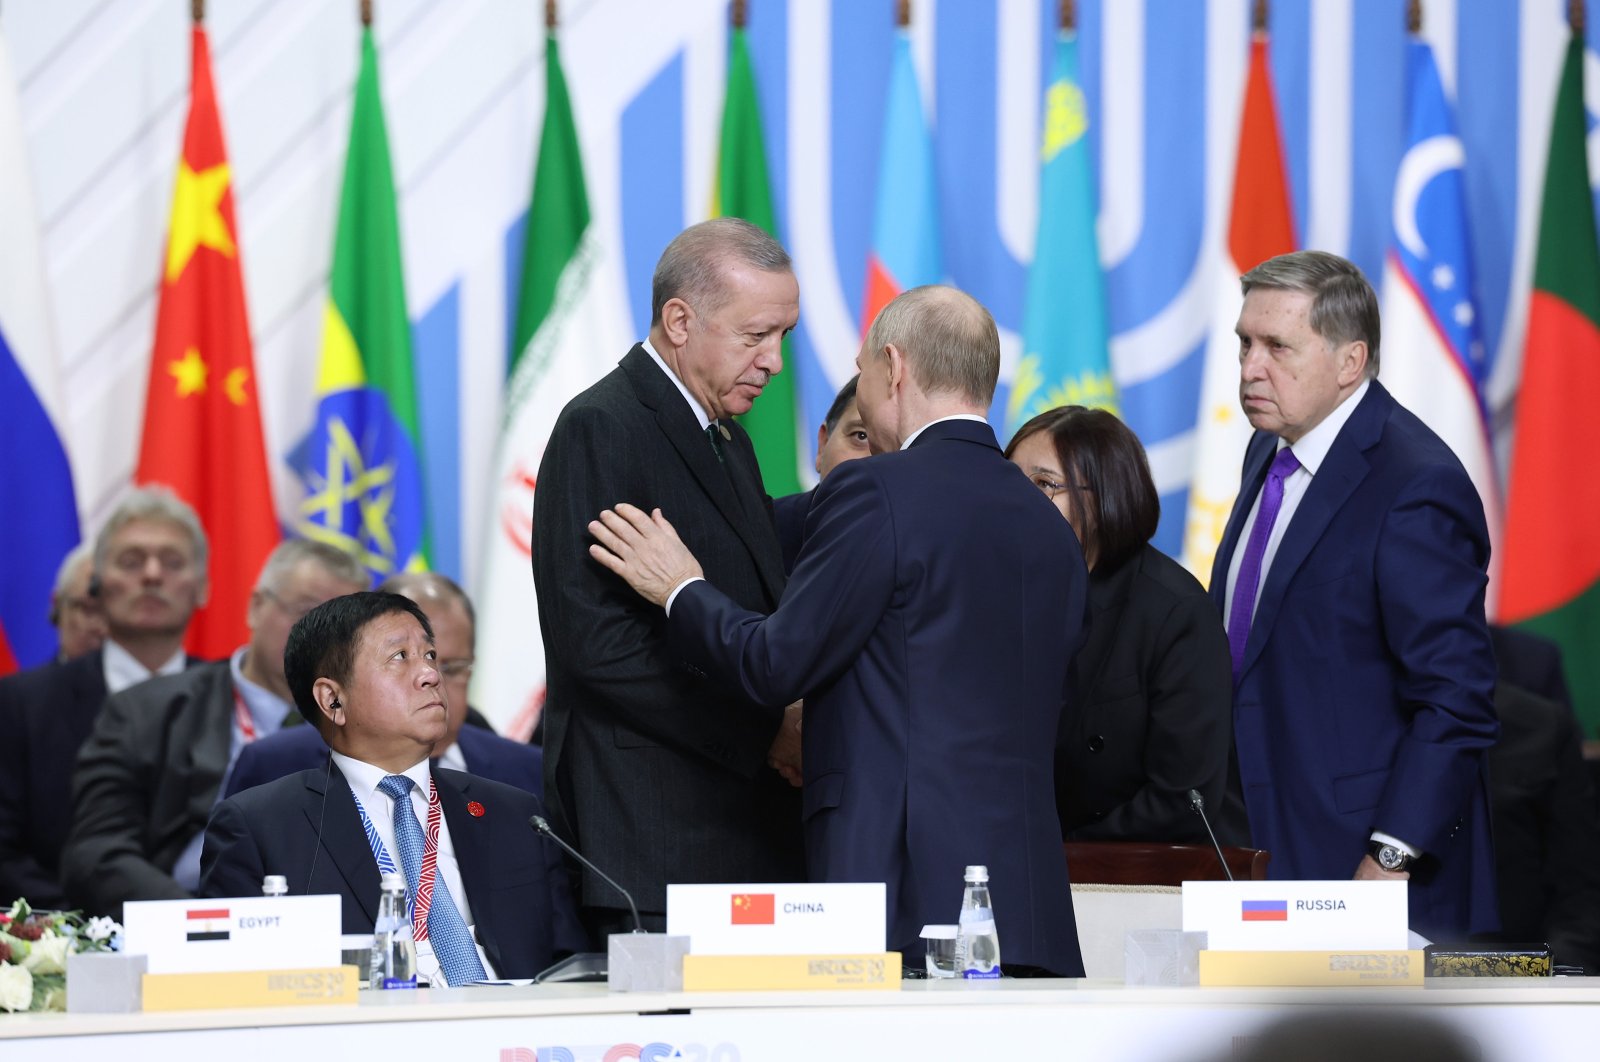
[(1108, 601), (331, 813), (208, 755), (469, 834), (1341, 473)]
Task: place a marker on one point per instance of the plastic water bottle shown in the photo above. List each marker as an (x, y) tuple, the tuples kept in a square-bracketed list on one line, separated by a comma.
[(274, 885), (977, 940), (394, 955)]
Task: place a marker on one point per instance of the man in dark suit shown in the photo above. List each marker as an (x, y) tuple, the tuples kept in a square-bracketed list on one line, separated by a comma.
[(1351, 580), (655, 772), (363, 668), (150, 576), (473, 749), (930, 624), (840, 438), (150, 772)]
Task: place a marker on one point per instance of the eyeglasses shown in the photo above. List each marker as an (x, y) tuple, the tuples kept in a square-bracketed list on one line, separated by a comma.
[(456, 669), (1052, 487)]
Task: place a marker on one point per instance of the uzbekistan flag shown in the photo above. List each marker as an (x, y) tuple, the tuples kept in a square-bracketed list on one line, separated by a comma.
[(905, 226), (35, 468), (1264, 910)]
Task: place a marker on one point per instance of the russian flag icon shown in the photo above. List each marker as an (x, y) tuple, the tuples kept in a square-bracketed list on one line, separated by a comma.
[(1264, 910)]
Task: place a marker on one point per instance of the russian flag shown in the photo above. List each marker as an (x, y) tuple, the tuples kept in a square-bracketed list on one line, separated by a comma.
[(905, 223), (35, 473), (1264, 910)]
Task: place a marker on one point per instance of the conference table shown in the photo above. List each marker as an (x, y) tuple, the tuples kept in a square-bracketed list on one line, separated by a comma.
[(1511, 1018)]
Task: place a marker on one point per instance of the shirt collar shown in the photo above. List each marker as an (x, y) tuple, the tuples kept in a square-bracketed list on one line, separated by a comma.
[(122, 669), (364, 777), (1313, 447), (695, 407), (453, 758), (266, 708), (954, 416)]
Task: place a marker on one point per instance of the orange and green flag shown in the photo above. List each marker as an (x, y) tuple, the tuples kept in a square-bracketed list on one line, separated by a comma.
[(743, 190), (202, 418), (1551, 572)]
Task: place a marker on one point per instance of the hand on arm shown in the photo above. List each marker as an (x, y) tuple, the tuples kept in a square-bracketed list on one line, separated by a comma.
[(644, 550), (784, 757)]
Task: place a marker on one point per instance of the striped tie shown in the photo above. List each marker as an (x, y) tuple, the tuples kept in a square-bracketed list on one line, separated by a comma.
[(452, 942)]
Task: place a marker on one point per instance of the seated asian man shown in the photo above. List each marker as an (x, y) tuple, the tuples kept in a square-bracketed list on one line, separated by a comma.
[(362, 668)]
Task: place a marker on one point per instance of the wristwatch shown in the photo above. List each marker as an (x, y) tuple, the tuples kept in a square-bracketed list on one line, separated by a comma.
[(1389, 857)]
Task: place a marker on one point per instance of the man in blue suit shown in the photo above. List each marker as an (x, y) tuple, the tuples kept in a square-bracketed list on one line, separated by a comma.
[(929, 623), (470, 748), (1351, 580)]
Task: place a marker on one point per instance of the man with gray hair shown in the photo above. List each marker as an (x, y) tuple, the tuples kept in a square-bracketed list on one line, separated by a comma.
[(930, 621), (655, 772), (150, 576), (75, 610), (153, 767), (1351, 581)]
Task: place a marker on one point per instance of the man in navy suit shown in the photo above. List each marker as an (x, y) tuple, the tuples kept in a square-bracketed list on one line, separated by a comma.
[(840, 438), (473, 749), (364, 670), (929, 624), (1351, 579)]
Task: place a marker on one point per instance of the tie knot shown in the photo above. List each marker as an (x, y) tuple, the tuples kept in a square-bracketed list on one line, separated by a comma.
[(1285, 464), (396, 786)]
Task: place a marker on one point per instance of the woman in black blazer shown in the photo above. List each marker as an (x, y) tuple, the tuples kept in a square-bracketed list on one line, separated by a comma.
[(1151, 709)]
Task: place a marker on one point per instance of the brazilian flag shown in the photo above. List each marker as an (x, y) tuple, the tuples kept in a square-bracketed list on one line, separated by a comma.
[(359, 463)]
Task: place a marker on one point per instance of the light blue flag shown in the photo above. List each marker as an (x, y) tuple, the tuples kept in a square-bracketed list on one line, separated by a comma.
[(1064, 337)]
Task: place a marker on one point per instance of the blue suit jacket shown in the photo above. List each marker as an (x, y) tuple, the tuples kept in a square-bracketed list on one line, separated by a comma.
[(789, 516), (300, 748), (929, 624), (1364, 700)]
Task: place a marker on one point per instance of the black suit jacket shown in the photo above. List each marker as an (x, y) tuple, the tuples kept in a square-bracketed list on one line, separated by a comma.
[(1546, 835), (47, 712), (789, 513), (653, 770), (930, 625), (1531, 662), (1151, 712), (146, 781), (306, 827)]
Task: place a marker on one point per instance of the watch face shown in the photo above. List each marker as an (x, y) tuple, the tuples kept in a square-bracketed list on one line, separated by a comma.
[(1390, 857)]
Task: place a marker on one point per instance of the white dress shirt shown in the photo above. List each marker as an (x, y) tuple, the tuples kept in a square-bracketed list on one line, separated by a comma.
[(364, 779), (122, 668), (699, 411), (954, 416)]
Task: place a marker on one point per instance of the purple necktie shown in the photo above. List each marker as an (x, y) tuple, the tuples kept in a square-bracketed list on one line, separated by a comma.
[(1244, 591)]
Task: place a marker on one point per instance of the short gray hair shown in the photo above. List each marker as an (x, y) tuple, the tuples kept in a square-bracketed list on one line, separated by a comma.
[(155, 502), (1344, 308), (406, 584), (292, 552), (949, 340), (83, 551), (694, 266)]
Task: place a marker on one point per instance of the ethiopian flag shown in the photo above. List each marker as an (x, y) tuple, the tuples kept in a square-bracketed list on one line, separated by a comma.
[(1551, 572), (742, 190), (359, 464)]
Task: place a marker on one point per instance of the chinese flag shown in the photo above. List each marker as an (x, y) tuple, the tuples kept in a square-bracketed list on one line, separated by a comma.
[(752, 909), (202, 419)]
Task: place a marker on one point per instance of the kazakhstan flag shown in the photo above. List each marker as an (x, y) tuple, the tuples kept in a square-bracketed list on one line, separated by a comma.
[(1064, 337), (359, 466)]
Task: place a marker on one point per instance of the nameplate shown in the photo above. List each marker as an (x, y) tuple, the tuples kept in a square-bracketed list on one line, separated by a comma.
[(738, 973), (1311, 969), (248, 933), (251, 988), (1297, 915), (832, 919)]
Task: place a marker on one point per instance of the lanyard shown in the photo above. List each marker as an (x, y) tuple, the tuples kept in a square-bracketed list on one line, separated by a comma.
[(241, 717), (422, 900)]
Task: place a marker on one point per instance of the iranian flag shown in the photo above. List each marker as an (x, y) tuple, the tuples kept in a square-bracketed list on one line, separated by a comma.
[(568, 334), (1551, 572)]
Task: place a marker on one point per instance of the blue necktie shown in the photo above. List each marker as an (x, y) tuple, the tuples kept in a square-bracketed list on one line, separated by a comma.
[(452, 943)]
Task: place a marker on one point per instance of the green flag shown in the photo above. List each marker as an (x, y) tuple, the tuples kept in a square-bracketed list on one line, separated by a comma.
[(743, 191)]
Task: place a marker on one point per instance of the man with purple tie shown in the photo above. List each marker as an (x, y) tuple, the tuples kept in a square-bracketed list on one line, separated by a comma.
[(1351, 579)]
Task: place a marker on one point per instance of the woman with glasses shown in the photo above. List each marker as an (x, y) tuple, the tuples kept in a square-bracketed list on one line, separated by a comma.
[(1149, 715)]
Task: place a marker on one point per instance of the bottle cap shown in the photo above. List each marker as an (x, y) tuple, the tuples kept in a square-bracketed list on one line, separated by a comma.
[(977, 873), (274, 885), (393, 881), (940, 932)]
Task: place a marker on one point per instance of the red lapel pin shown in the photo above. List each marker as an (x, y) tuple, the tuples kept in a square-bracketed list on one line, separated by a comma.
[(475, 809)]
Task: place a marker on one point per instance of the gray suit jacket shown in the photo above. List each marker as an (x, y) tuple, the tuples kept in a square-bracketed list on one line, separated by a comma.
[(652, 770)]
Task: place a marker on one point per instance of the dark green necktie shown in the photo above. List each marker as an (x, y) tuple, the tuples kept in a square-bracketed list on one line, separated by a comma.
[(714, 433)]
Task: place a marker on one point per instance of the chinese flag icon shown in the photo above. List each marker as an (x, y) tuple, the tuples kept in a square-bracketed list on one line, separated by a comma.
[(752, 909)]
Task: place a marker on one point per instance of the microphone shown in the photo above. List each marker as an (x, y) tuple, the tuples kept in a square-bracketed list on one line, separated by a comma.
[(540, 823), (1197, 804)]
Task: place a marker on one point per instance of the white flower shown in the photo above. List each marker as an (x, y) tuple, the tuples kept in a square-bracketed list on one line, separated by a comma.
[(16, 987), (48, 955), (102, 930)]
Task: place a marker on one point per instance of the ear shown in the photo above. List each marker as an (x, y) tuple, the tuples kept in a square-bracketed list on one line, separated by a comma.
[(822, 440), (675, 316), (330, 700), (895, 362), (1352, 363), (252, 616)]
